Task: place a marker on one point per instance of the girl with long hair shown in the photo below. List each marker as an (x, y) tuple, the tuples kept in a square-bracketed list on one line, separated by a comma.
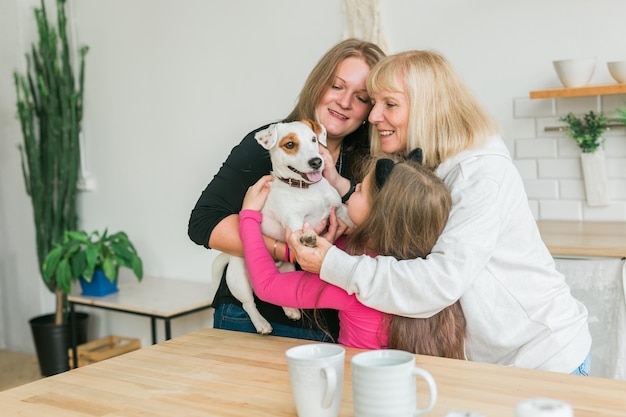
[(398, 210)]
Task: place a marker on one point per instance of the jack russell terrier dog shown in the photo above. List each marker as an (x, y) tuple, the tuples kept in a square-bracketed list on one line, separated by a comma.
[(298, 194)]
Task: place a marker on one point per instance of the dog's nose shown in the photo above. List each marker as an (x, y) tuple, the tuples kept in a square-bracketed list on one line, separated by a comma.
[(315, 162)]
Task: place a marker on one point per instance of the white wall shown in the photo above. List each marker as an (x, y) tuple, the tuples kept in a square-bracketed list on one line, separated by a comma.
[(172, 86)]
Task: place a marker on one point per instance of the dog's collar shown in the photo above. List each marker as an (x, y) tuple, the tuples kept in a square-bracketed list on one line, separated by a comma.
[(292, 182)]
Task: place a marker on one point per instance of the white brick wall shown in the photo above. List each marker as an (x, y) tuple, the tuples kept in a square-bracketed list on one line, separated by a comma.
[(549, 162)]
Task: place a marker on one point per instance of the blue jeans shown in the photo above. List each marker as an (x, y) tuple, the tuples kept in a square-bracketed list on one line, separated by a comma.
[(232, 317), (584, 367)]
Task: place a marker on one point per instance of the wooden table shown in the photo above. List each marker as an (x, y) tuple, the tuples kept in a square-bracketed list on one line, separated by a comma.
[(222, 373), (156, 298)]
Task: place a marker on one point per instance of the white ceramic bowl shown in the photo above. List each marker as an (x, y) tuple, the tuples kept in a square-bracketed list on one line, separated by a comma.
[(575, 72), (618, 71)]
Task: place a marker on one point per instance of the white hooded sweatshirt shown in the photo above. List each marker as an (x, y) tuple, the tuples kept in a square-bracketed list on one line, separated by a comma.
[(518, 308)]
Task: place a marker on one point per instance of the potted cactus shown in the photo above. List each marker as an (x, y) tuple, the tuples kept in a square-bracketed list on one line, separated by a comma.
[(50, 110), (587, 131)]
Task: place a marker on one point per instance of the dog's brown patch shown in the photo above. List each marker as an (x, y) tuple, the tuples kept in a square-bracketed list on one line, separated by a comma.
[(316, 127), (290, 143)]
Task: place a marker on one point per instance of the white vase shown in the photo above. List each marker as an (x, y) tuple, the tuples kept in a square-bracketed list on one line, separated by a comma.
[(595, 178)]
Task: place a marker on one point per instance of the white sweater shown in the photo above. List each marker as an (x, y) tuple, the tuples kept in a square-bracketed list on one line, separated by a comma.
[(518, 308)]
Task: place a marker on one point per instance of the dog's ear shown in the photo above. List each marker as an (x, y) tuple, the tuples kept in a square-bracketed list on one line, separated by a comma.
[(267, 138), (321, 133), (318, 128)]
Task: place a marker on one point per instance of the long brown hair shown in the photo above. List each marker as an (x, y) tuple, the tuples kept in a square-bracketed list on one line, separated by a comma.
[(407, 215)]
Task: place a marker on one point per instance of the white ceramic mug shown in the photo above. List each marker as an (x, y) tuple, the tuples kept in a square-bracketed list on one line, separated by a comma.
[(316, 374), (384, 384)]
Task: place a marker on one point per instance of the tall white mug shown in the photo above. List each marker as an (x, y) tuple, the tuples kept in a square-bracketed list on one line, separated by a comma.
[(384, 384), (316, 374)]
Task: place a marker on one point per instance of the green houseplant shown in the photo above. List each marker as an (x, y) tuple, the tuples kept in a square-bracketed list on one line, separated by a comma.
[(82, 255), (50, 111), (587, 131)]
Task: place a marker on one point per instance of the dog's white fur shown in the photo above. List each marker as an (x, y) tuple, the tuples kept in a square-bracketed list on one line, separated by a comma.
[(294, 151)]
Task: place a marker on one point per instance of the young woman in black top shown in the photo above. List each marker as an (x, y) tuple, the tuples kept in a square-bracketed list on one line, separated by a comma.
[(335, 95)]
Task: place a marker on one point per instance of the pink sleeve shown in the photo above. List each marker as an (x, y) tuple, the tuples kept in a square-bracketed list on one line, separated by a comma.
[(298, 289)]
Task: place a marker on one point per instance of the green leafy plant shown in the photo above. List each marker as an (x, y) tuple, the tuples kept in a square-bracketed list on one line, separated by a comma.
[(586, 130), (81, 254), (50, 110)]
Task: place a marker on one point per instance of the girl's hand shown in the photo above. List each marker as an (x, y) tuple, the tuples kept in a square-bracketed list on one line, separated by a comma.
[(257, 194), (335, 227), (330, 228)]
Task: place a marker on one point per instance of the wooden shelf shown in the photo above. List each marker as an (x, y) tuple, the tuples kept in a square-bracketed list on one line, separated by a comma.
[(571, 238), (592, 90)]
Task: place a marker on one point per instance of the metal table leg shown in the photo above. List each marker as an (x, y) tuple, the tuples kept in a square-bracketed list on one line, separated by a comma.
[(153, 326), (168, 330), (74, 337)]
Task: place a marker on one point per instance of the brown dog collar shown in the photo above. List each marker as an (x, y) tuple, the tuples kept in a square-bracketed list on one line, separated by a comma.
[(295, 183)]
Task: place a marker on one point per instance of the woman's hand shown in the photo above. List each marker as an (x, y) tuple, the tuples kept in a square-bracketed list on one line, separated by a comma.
[(339, 183), (330, 171), (257, 194), (310, 259)]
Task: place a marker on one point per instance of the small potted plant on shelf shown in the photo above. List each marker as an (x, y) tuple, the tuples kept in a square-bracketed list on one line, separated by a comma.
[(92, 259), (587, 131)]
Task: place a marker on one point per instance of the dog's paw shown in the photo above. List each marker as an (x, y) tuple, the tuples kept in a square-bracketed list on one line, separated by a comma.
[(263, 326), (308, 239), (265, 329), (292, 313)]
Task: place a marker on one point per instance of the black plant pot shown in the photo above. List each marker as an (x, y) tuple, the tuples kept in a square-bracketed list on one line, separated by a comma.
[(53, 341)]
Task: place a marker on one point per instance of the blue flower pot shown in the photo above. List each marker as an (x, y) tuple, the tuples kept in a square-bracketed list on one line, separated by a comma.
[(99, 285)]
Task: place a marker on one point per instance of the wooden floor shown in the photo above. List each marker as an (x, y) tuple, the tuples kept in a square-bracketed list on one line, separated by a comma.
[(17, 368)]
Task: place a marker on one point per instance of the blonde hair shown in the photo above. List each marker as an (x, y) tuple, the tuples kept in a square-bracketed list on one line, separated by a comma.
[(407, 215), (445, 118), (323, 75)]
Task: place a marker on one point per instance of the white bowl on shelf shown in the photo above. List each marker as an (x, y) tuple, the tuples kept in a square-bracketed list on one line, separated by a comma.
[(618, 71), (575, 72)]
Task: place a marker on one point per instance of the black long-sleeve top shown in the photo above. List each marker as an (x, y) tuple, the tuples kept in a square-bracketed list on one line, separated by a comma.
[(223, 196)]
